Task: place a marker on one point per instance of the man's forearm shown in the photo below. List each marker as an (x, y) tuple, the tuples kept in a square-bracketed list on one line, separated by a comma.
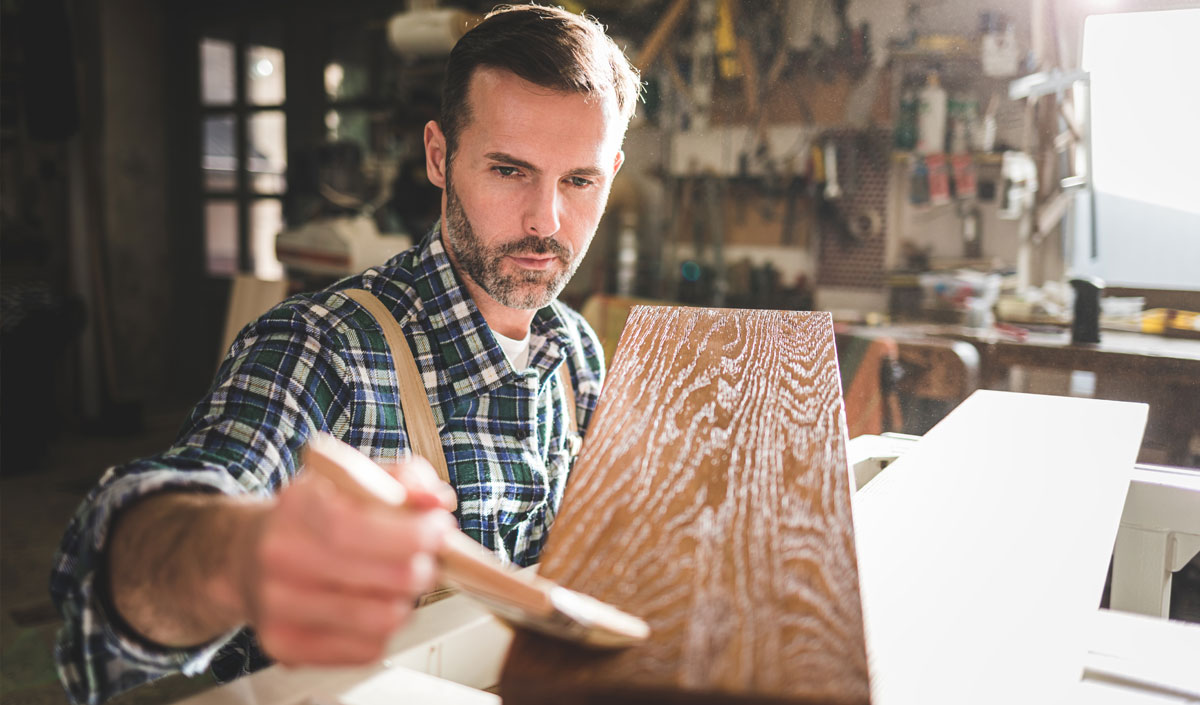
[(177, 564)]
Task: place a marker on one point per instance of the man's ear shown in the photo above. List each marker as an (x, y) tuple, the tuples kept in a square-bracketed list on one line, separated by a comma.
[(435, 154), (620, 159)]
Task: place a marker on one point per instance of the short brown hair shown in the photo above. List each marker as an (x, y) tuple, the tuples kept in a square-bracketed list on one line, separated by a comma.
[(546, 46)]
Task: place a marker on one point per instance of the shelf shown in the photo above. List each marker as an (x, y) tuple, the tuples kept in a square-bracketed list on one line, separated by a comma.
[(982, 158), (970, 55)]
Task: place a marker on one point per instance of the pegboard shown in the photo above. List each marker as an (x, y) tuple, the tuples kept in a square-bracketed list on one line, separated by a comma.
[(856, 258)]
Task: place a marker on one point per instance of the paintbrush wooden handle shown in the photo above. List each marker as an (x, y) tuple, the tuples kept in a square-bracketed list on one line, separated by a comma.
[(465, 564), (473, 569)]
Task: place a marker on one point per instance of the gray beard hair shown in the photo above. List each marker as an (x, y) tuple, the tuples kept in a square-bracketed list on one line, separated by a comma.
[(527, 290)]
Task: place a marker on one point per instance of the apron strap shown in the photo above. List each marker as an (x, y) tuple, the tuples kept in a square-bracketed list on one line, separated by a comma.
[(564, 376), (414, 401)]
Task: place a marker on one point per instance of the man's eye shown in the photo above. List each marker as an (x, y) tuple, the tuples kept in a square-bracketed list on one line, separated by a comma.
[(505, 171), (580, 182)]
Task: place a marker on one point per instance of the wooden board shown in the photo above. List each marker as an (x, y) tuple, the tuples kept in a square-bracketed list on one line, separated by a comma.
[(712, 498), (983, 549)]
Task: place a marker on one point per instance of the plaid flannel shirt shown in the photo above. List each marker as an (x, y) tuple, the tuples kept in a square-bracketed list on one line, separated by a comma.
[(320, 362)]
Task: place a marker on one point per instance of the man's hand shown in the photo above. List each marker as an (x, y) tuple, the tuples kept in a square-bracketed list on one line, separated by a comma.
[(332, 579), (321, 578)]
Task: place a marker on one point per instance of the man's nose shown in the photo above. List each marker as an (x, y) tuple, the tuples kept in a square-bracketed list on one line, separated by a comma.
[(541, 212)]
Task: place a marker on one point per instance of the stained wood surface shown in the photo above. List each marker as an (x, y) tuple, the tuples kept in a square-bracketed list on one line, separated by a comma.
[(712, 498), (983, 549)]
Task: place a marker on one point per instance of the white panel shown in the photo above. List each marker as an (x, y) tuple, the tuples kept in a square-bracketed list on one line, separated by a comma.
[(983, 550)]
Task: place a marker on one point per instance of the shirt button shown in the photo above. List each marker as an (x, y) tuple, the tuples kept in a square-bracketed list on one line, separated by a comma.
[(522, 433)]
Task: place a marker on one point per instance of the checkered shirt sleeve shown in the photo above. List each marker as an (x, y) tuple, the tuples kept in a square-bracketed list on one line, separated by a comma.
[(319, 362)]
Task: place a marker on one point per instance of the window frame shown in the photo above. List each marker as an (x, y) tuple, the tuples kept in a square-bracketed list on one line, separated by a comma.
[(243, 194)]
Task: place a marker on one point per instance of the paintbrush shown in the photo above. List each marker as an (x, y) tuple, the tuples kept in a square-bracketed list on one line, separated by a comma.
[(524, 600)]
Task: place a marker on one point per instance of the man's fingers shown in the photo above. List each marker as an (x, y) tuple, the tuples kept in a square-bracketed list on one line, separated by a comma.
[(320, 536), (387, 533), (381, 532), (311, 562), (335, 576), (425, 489), (295, 645), (320, 607)]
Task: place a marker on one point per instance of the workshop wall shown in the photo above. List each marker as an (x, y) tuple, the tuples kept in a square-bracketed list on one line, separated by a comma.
[(138, 228), (134, 163), (149, 237), (85, 204)]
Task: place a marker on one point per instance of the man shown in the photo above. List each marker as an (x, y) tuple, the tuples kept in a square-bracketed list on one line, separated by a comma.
[(221, 549)]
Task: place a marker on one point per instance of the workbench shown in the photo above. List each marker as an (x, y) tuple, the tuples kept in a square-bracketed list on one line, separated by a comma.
[(453, 650), (1162, 372)]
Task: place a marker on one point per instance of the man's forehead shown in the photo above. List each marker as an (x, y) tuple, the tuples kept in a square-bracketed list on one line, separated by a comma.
[(485, 78), (506, 109), (488, 81)]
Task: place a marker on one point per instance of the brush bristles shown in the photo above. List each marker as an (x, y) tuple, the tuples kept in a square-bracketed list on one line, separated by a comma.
[(606, 625)]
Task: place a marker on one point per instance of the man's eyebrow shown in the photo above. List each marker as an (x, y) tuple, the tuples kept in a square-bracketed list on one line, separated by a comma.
[(510, 159), (589, 171)]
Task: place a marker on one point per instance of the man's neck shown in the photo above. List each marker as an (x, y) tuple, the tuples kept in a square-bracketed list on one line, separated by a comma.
[(510, 322)]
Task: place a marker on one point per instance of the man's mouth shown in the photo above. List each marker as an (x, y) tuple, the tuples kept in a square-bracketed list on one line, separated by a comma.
[(534, 261)]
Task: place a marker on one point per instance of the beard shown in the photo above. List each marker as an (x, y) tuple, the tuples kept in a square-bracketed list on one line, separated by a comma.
[(524, 289)]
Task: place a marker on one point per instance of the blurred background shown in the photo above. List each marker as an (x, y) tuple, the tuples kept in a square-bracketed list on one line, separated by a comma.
[(986, 194)]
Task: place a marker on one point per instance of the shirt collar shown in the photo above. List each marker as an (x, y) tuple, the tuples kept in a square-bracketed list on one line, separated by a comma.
[(469, 351)]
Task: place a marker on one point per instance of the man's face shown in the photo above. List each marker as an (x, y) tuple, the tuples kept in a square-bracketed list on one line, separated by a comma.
[(537, 267), (528, 183)]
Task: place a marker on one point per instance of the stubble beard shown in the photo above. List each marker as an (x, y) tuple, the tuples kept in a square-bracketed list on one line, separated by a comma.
[(526, 289)]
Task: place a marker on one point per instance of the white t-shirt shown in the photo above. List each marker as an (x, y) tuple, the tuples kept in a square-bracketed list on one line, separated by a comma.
[(517, 351)]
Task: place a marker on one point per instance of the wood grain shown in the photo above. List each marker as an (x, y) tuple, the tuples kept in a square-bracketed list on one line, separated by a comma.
[(712, 498)]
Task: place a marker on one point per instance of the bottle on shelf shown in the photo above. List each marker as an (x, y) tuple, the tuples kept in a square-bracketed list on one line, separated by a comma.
[(931, 117), (906, 124), (961, 114)]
